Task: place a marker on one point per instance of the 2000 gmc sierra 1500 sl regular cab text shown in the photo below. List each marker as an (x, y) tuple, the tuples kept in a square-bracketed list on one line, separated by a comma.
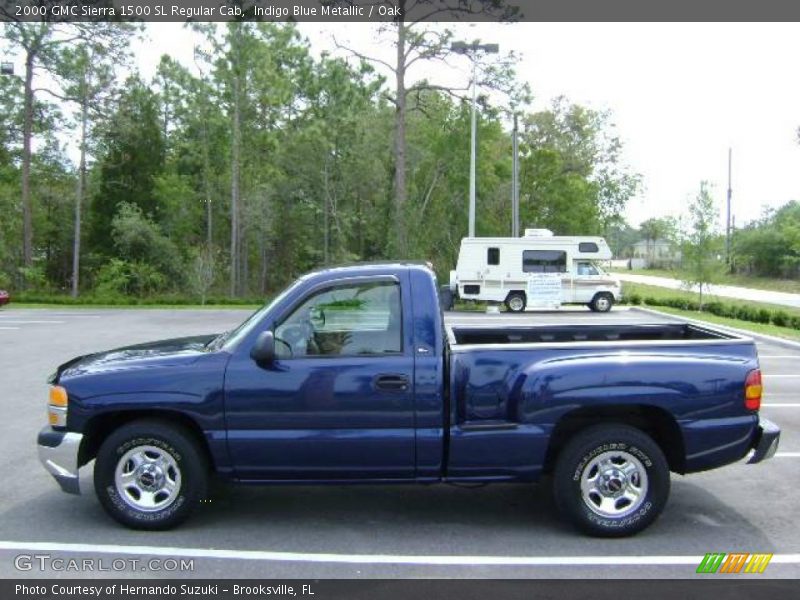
[(350, 376)]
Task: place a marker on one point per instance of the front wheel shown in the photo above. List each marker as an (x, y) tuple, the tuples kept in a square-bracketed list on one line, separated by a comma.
[(602, 302), (150, 475), (611, 481)]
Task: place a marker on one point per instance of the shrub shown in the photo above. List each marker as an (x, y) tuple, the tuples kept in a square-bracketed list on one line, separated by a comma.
[(780, 318), (634, 299), (794, 322), (650, 301), (763, 316)]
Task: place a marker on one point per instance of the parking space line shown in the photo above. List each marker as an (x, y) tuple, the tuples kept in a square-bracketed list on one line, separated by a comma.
[(407, 559), (781, 404), (787, 454), (774, 376), (9, 327)]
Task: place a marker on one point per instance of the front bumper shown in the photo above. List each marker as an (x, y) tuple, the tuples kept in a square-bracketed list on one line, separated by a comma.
[(58, 452), (765, 442)]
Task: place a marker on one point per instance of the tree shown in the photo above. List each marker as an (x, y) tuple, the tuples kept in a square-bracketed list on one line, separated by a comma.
[(131, 157), (86, 73), (572, 179), (415, 41), (702, 243), (203, 272), (658, 228)]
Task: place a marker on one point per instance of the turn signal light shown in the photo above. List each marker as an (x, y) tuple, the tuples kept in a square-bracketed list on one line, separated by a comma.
[(753, 390), (58, 396)]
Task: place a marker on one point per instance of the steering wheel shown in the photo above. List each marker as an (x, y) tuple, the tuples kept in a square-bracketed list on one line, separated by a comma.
[(285, 343)]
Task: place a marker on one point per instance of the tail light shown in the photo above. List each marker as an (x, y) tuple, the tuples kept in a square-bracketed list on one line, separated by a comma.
[(753, 390)]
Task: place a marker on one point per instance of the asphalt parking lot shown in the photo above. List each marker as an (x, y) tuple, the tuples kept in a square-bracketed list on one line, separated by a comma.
[(374, 531)]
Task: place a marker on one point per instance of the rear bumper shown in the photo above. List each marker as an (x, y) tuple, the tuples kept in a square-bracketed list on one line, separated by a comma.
[(765, 442), (58, 452)]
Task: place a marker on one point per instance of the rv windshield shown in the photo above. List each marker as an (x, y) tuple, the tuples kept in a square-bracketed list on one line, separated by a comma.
[(587, 268)]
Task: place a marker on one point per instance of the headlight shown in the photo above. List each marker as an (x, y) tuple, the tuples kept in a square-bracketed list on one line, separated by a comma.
[(57, 407)]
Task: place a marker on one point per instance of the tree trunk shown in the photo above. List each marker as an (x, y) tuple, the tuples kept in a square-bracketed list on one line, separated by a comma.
[(81, 190), (401, 242), (27, 134), (235, 165)]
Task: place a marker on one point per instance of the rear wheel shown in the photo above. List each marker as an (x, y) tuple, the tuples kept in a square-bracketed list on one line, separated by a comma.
[(446, 297), (611, 481), (516, 301), (150, 475), (602, 302)]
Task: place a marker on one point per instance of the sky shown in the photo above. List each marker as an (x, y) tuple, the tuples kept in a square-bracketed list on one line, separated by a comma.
[(681, 95)]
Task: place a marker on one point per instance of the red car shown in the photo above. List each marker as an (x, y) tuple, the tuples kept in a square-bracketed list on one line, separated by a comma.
[(4, 297)]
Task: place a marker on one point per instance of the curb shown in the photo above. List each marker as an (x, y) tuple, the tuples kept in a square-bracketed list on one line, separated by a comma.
[(743, 332)]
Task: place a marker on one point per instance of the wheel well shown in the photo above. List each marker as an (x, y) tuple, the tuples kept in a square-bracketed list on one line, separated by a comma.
[(513, 292), (654, 421), (101, 426)]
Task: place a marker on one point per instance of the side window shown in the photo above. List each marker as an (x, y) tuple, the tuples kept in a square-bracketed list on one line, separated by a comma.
[(587, 268), (544, 261), (493, 256), (346, 320), (588, 247)]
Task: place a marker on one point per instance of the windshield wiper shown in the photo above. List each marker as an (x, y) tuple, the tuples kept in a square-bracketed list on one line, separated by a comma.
[(215, 343)]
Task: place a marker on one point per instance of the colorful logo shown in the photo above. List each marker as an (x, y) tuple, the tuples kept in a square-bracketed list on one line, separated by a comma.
[(735, 562)]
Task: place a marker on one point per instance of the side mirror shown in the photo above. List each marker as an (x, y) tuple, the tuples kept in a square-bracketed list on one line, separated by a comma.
[(263, 351)]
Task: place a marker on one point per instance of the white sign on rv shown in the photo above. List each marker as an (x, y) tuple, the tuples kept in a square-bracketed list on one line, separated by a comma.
[(538, 269)]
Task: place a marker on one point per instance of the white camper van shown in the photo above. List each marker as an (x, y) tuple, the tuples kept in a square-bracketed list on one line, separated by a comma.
[(536, 270)]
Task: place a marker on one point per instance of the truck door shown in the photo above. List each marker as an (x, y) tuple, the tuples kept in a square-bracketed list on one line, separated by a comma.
[(338, 401)]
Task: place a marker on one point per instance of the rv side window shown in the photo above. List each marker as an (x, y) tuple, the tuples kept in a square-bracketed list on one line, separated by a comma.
[(544, 261), (588, 247), (493, 256)]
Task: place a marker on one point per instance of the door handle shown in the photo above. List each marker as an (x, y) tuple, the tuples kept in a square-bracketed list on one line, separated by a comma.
[(391, 383)]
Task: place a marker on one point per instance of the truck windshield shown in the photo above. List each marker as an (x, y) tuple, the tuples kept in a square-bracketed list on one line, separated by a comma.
[(229, 339)]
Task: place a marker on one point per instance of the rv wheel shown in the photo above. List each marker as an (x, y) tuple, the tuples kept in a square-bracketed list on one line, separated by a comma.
[(515, 302), (602, 302)]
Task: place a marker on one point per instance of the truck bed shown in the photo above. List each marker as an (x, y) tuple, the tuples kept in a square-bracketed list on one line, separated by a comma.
[(548, 334)]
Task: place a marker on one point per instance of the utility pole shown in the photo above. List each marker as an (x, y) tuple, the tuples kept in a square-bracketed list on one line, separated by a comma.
[(471, 50), (728, 219), (515, 182)]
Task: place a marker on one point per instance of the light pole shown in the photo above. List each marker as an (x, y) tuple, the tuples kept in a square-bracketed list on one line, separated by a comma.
[(471, 50)]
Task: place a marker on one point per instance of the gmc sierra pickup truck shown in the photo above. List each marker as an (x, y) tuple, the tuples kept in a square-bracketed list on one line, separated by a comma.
[(350, 376)]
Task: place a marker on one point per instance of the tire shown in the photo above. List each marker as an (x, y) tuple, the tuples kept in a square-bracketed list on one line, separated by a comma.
[(602, 302), (161, 464), (446, 297), (611, 508), (516, 302)]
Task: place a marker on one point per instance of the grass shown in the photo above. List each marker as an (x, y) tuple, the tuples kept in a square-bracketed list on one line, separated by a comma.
[(88, 306), (771, 284)]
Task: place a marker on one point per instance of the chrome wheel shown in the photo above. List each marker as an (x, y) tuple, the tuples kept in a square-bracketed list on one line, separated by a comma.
[(147, 478), (602, 304), (516, 303), (614, 484)]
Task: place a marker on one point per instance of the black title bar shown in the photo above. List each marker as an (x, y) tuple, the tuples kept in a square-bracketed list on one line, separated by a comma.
[(398, 10)]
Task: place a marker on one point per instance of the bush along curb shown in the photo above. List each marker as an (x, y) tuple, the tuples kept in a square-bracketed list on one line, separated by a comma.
[(765, 316)]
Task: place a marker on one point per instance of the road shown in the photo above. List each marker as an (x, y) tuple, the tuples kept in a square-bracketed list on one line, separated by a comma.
[(727, 291), (373, 531)]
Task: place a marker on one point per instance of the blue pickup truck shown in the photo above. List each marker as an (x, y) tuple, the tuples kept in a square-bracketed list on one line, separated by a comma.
[(351, 376)]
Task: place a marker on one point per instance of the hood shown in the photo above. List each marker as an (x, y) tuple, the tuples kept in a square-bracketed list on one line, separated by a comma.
[(164, 353)]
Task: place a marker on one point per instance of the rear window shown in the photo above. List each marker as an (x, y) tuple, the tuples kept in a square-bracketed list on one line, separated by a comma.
[(588, 247), (544, 261)]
